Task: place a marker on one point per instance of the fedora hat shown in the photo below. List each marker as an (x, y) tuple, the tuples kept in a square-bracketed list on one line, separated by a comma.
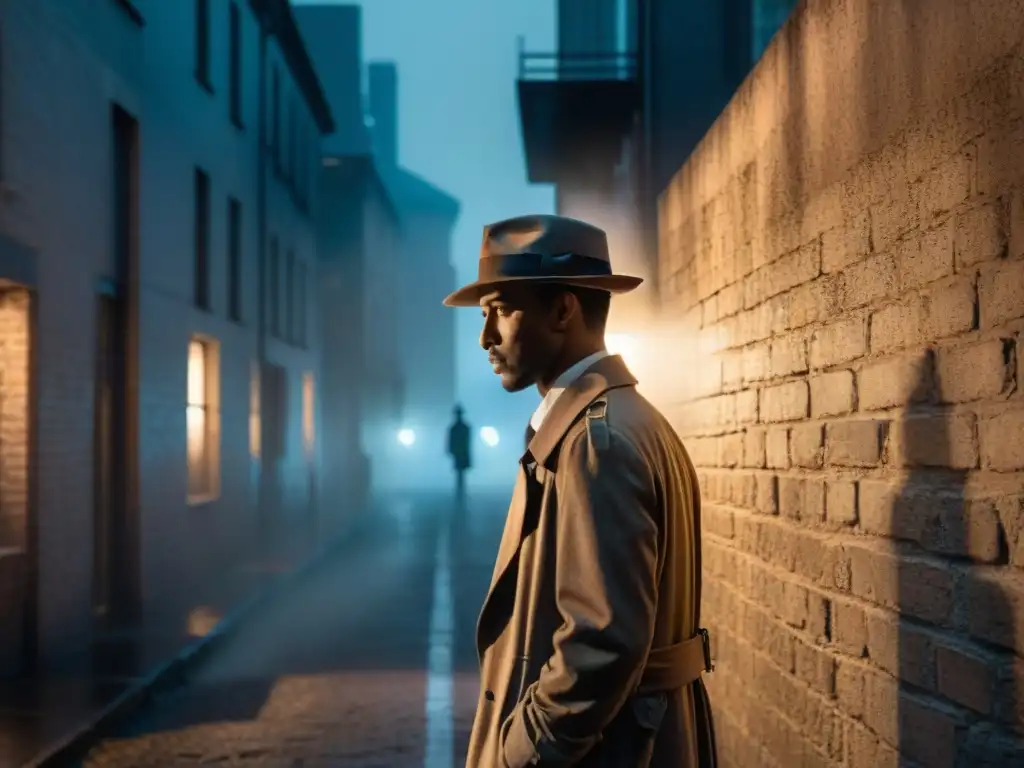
[(542, 248)]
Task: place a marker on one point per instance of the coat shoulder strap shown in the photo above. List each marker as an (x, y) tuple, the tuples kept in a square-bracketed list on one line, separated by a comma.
[(598, 434)]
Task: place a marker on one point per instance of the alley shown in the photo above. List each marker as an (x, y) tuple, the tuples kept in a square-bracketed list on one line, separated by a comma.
[(370, 662)]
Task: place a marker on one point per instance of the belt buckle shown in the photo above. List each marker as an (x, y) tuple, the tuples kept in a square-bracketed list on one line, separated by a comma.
[(705, 642)]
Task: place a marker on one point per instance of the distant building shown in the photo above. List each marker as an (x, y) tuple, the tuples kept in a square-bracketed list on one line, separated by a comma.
[(158, 350), (389, 231), (633, 87), (428, 216)]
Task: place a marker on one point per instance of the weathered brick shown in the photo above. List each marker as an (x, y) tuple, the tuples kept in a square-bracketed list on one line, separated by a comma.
[(831, 394), (916, 586), (755, 363), (866, 750), (1016, 224), (767, 494), (944, 188), (947, 310), (785, 402), (789, 355), (754, 448), (929, 730), (896, 326), (894, 382), (865, 283), (972, 372), (893, 218), (808, 303), (841, 502), (746, 407), (807, 445), (901, 649), (854, 443), (731, 450), (934, 440), (839, 342), (802, 499), (846, 244), (1001, 293), (926, 259), (980, 235), (994, 607), (815, 666), (777, 448), (1001, 441), (965, 678), (849, 628), (800, 266)]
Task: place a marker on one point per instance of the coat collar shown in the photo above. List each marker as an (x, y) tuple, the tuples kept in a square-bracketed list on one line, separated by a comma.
[(607, 373)]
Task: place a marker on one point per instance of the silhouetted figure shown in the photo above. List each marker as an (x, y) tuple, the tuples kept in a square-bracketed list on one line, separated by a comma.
[(458, 449)]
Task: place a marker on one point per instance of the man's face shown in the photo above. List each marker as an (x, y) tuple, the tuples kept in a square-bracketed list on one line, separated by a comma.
[(521, 335)]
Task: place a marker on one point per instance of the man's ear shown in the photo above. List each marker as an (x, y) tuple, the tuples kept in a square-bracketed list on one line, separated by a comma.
[(565, 308)]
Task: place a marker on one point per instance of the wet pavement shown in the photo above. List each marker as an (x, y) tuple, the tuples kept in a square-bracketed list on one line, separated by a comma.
[(369, 662)]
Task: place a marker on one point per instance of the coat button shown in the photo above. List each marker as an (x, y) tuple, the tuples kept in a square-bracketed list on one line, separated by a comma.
[(489, 695)]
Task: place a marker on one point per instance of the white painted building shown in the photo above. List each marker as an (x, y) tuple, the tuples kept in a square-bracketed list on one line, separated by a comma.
[(145, 240)]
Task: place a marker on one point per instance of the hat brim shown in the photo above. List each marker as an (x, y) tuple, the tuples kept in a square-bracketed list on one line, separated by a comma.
[(470, 295)]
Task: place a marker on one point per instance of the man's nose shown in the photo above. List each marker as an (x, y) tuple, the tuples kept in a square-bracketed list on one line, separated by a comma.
[(487, 335)]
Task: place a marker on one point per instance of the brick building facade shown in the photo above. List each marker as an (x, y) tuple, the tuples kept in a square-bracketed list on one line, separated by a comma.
[(842, 272), (152, 430)]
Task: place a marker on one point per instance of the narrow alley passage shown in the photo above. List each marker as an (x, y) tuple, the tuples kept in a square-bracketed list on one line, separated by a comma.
[(368, 663)]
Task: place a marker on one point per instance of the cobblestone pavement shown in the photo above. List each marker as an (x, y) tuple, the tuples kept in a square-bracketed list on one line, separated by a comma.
[(336, 673)]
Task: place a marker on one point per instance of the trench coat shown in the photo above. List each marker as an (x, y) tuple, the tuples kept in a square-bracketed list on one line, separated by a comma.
[(589, 642)]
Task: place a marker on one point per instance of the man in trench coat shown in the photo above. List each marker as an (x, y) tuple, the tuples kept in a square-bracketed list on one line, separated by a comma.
[(591, 653)]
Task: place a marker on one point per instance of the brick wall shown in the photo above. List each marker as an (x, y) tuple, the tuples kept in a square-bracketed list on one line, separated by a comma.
[(14, 411), (843, 265)]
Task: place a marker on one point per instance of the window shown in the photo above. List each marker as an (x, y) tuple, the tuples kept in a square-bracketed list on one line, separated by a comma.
[(301, 311), (289, 296), (201, 225), (202, 420), (275, 117), (234, 260), (202, 35), (235, 64), (274, 290), (255, 425), (308, 415)]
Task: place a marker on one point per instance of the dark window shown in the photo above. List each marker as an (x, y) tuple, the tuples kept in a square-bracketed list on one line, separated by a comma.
[(203, 43), (234, 259), (300, 305), (275, 116), (202, 239), (289, 296), (274, 290), (235, 64)]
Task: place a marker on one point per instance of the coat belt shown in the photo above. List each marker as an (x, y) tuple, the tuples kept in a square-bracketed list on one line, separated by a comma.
[(677, 666)]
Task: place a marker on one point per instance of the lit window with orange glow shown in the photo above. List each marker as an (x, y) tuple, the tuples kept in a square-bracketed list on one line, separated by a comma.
[(255, 419), (308, 415), (201, 421)]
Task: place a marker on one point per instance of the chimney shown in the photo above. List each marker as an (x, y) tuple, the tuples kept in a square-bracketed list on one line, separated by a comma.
[(383, 86)]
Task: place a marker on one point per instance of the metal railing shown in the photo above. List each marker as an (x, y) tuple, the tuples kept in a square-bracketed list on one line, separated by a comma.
[(608, 65)]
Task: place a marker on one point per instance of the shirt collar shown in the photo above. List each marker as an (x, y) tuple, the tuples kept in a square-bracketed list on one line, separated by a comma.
[(570, 375)]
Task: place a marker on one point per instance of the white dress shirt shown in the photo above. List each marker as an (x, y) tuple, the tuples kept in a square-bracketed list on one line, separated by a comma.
[(561, 383)]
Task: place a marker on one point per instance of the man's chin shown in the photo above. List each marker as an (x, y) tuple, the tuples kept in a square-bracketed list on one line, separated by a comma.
[(511, 383)]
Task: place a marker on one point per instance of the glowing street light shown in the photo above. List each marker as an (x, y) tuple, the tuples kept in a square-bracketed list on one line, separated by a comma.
[(489, 435), (406, 437)]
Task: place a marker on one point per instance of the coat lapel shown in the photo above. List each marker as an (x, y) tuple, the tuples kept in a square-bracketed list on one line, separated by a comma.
[(608, 373)]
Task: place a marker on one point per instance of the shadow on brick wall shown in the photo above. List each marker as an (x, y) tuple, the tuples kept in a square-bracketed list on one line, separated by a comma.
[(956, 695)]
